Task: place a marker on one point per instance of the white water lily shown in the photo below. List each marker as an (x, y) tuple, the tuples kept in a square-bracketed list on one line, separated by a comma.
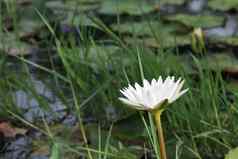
[(152, 95)]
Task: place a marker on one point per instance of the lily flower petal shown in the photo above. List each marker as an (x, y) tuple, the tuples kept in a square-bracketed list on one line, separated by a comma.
[(152, 94)]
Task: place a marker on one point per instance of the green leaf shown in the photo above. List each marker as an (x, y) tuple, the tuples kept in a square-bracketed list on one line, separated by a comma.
[(71, 5), (196, 21), (165, 41), (140, 28), (133, 7), (73, 19), (221, 61), (225, 40), (223, 4), (55, 151), (149, 28), (155, 34), (232, 154), (177, 2)]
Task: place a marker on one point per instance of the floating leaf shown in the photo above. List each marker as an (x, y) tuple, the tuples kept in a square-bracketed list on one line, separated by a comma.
[(88, 1), (223, 4), (177, 2), (99, 53), (222, 61), (156, 33), (79, 20), (71, 5), (233, 41), (166, 42), (147, 28), (196, 21), (132, 7)]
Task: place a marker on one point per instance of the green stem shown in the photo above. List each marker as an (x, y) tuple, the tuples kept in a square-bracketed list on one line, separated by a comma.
[(81, 126), (160, 134)]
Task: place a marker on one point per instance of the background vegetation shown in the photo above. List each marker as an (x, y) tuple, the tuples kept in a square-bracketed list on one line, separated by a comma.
[(63, 62)]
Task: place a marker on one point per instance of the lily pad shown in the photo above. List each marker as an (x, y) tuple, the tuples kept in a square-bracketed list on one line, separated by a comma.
[(79, 20), (165, 42), (71, 5), (97, 53), (221, 61), (88, 1), (223, 4), (132, 7), (176, 2), (196, 21), (145, 28), (233, 41), (155, 34)]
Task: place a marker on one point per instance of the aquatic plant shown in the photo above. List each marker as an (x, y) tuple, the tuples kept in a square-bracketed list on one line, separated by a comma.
[(154, 97)]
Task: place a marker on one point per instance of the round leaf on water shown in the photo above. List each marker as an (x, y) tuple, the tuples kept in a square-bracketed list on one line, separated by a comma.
[(133, 7), (177, 2), (225, 40), (136, 28), (221, 61), (197, 21), (79, 20), (145, 28), (71, 5), (223, 4), (88, 1)]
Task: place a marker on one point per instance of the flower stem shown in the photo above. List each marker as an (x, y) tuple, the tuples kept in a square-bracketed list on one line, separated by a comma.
[(160, 134)]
